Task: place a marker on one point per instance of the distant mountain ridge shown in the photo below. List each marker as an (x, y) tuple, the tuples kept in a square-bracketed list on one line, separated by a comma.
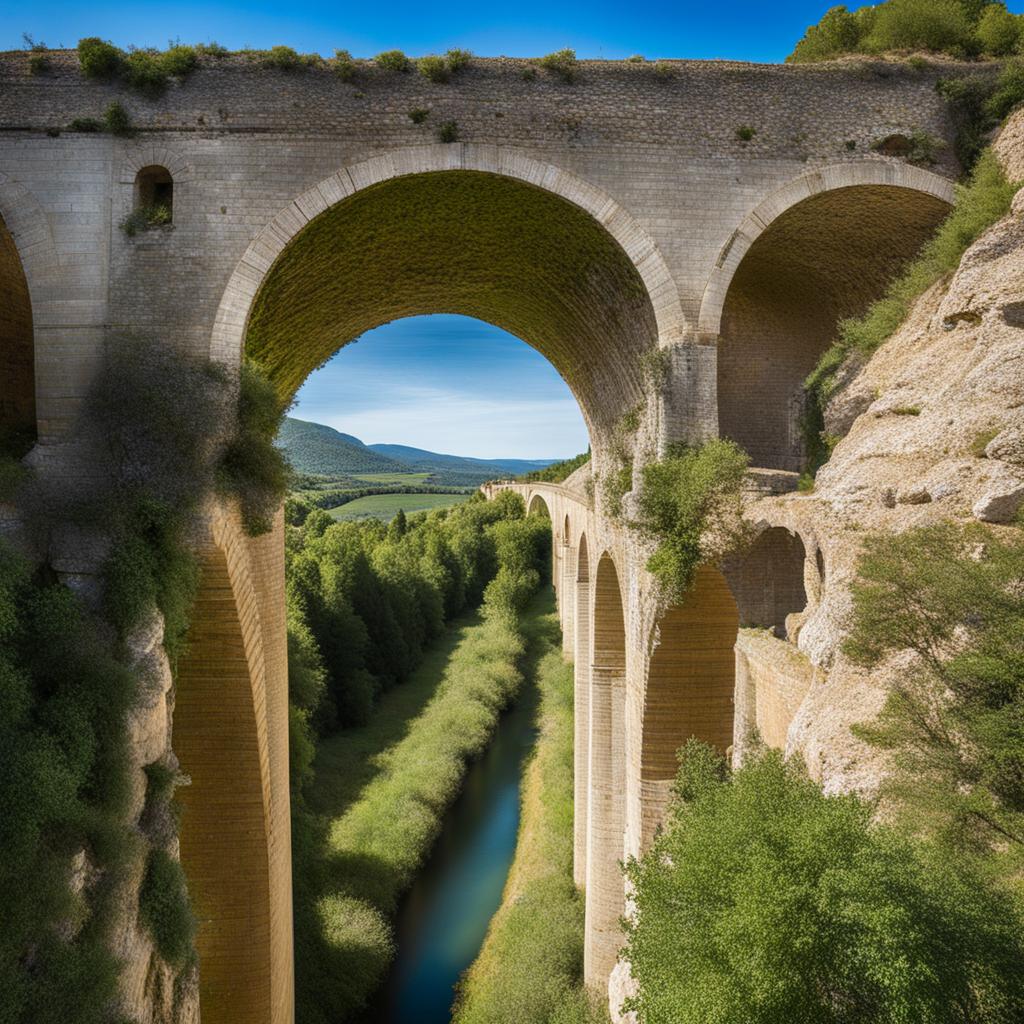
[(318, 449)]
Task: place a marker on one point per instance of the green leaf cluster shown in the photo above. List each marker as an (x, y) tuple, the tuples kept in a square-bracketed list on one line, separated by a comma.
[(764, 900), (949, 600), (681, 496), (959, 28)]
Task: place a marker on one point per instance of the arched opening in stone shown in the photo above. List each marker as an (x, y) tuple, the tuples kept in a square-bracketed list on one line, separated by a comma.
[(768, 582), (605, 893), (581, 711), (822, 260), (478, 244), (154, 194), (538, 507), (17, 352), (772, 675), (690, 685), (223, 750)]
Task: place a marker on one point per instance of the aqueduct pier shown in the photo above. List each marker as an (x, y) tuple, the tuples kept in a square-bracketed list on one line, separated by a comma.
[(618, 223)]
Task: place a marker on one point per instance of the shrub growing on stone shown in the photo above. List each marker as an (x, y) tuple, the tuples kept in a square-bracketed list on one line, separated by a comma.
[(448, 131), (434, 68), (765, 901), (562, 64), (117, 121), (343, 65), (392, 60), (745, 132), (952, 718), (418, 115), (681, 496), (458, 59), (164, 907), (98, 58)]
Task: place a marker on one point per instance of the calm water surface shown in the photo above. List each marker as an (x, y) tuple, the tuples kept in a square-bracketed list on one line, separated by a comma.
[(443, 919)]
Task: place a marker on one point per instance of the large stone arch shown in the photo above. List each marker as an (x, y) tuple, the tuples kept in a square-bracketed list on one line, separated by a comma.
[(231, 741), (581, 710), (689, 693), (605, 888), (471, 229), (818, 250), (28, 275)]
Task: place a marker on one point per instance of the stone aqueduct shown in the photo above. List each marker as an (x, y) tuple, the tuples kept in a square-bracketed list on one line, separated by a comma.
[(601, 222)]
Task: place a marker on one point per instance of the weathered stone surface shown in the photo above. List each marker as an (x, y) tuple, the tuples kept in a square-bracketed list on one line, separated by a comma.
[(1000, 506)]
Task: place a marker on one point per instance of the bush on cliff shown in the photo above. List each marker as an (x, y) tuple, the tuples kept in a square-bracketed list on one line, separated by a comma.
[(764, 900), (958, 28), (952, 598)]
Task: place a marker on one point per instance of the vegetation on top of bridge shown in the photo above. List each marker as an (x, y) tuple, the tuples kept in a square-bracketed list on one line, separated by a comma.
[(964, 29), (364, 604)]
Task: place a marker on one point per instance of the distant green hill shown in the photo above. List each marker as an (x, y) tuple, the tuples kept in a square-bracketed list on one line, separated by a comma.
[(314, 448), (424, 460)]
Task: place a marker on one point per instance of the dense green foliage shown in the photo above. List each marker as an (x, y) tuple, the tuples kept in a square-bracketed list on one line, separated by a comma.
[(252, 468), (371, 813), (983, 200), (530, 968), (954, 597), (63, 697), (148, 71), (67, 680), (164, 907), (978, 103), (373, 596), (688, 504), (765, 901), (562, 64), (385, 506), (959, 28), (557, 471)]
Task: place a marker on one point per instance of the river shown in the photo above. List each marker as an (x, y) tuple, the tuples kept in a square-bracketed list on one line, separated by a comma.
[(444, 917)]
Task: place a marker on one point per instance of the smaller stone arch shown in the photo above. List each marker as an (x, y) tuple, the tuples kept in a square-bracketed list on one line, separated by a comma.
[(538, 505), (581, 709), (605, 889), (770, 583), (567, 586), (690, 684), (154, 189)]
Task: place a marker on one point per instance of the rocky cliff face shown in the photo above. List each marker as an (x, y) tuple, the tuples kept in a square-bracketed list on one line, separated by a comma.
[(932, 429)]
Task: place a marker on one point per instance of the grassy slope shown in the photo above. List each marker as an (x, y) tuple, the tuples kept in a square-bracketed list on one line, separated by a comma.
[(386, 506), (530, 967), (379, 796)]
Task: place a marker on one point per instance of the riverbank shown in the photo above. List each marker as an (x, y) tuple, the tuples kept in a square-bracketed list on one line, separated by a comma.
[(376, 805), (530, 968)]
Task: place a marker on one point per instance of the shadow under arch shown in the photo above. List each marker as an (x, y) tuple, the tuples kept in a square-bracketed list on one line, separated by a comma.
[(690, 684), (234, 837), (29, 283), (463, 229), (818, 251), (605, 888), (581, 709), (17, 351)]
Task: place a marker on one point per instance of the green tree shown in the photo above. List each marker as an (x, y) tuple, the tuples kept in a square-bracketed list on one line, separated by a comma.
[(766, 901), (950, 602)]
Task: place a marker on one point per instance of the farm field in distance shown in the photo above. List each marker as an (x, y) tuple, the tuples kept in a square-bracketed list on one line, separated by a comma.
[(386, 506)]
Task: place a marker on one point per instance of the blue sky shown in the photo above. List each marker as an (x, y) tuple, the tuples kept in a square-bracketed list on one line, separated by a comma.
[(443, 383), (448, 384), (738, 29)]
